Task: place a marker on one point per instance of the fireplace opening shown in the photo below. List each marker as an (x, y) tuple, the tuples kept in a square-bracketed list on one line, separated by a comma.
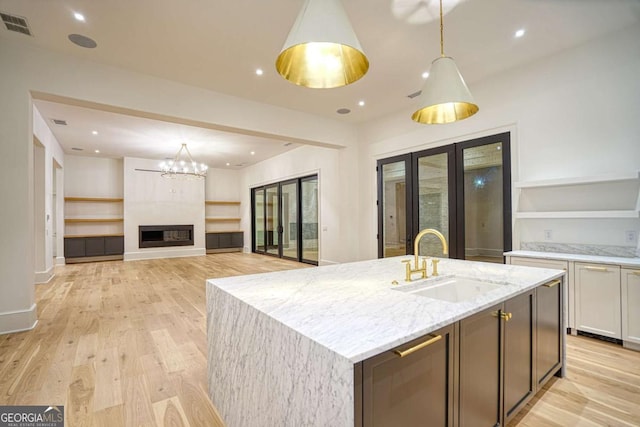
[(154, 236)]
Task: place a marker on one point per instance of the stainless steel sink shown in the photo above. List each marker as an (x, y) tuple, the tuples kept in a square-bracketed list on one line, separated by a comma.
[(451, 289)]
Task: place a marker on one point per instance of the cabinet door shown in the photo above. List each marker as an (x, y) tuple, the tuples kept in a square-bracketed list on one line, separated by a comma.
[(224, 240), (631, 306), (518, 352), (237, 240), (411, 388), (480, 369), (213, 242), (94, 246), (74, 247), (598, 299), (114, 245), (548, 330)]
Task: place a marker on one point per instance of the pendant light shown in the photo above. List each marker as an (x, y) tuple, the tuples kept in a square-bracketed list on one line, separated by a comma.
[(322, 50), (445, 97)]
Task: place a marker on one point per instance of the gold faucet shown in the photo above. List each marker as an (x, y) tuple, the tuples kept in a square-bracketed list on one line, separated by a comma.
[(416, 247)]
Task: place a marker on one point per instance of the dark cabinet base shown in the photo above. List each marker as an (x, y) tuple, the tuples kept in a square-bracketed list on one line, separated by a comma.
[(93, 248), (227, 241)]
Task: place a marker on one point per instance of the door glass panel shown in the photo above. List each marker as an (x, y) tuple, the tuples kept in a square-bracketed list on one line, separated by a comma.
[(258, 226), (394, 209), (309, 210), (273, 217), (290, 220), (483, 203), (433, 201)]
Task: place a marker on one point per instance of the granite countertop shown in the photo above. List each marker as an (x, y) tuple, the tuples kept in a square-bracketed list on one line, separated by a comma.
[(622, 261), (352, 309)]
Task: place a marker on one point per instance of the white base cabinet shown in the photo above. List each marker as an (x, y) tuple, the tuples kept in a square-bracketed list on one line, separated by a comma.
[(597, 297), (631, 308), (568, 297)]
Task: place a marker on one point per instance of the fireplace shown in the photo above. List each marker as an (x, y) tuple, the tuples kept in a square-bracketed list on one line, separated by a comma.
[(155, 236)]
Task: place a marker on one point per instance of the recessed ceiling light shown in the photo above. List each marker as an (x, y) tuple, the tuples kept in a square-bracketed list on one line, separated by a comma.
[(97, 151), (95, 132), (425, 74), (78, 16), (82, 41), (228, 163), (519, 33), (253, 153), (259, 71), (361, 103)]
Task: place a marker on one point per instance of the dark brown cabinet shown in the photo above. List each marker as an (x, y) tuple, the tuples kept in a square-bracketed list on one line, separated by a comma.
[(518, 352), (548, 329), (87, 248), (224, 241), (480, 374), (481, 371), (411, 385)]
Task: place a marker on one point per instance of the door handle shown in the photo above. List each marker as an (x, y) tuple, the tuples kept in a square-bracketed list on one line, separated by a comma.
[(552, 284), (602, 269), (403, 353)]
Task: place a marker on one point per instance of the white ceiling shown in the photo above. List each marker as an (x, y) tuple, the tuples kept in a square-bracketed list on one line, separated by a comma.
[(218, 44)]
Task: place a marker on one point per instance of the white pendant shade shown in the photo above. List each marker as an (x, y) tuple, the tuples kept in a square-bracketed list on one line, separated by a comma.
[(445, 97), (322, 50)]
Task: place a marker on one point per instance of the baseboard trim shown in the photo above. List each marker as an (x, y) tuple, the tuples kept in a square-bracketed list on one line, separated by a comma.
[(18, 321), (222, 251), (60, 260), (94, 259), (136, 256), (327, 262), (42, 277)]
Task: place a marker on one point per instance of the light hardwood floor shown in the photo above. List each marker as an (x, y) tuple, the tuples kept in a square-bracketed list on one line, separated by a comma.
[(124, 344)]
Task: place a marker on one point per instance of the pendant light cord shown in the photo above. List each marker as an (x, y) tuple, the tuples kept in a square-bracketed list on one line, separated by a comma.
[(441, 32)]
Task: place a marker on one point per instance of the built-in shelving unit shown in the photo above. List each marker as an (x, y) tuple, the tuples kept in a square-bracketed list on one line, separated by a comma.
[(222, 226), (605, 196), (573, 204), (93, 229)]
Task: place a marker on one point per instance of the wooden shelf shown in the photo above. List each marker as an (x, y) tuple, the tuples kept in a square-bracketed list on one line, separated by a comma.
[(91, 220), (221, 219), (221, 202), (579, 214), (94, 199), (72, 236), (578, 181), (224, 231)]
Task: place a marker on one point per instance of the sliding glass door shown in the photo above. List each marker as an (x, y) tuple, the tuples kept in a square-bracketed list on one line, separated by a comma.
[(285, 219), (462, 190)]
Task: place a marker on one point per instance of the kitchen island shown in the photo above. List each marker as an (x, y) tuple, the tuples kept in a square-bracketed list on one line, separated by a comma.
[(293, 347)]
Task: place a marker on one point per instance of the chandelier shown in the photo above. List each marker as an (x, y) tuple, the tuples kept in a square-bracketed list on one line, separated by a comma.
[(183, 166)]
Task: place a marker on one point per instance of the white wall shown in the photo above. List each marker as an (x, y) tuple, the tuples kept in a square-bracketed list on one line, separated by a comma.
[(337, 184), (150, 199), (222, 184), (570, 115)]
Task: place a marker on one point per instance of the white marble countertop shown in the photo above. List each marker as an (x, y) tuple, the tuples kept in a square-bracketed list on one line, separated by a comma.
[(624, 262), (352, 309)]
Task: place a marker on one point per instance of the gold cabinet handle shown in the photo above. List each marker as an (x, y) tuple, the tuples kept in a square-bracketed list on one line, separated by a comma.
[(501, 314), (603, 269), (417, 347), (552, 284), (636, 273)]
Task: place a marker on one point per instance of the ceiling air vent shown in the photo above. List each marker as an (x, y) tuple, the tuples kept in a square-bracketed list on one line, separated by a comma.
[(414, 94), (59, 122), (15, 23)]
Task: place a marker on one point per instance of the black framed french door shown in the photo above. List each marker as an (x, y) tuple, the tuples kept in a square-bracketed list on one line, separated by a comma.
[(462, 190), (284, 219)]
